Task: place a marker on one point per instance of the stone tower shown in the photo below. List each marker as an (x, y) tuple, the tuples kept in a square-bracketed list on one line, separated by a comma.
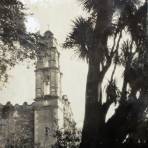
[(48, 103)]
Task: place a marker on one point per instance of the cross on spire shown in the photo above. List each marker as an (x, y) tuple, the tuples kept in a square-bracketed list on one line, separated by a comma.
[(48, 26)]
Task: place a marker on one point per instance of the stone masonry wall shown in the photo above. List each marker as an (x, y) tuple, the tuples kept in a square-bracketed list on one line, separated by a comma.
[(16, 126)]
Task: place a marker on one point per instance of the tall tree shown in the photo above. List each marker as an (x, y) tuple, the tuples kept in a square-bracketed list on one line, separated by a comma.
[(90, 37)]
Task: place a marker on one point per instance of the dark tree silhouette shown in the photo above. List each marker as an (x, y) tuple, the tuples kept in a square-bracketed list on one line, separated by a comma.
[(90, 37)]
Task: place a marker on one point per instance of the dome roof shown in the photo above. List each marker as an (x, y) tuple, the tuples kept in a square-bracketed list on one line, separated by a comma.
[(48, 34)]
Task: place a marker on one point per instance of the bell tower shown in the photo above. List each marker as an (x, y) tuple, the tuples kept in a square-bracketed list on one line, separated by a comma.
[(48, 92), (48, 69)]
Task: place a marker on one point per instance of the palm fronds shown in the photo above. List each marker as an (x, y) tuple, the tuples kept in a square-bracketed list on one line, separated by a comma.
[(80, 37)]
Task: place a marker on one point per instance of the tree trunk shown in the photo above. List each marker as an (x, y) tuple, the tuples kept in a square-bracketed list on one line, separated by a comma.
[(92, 113), (94, 116)]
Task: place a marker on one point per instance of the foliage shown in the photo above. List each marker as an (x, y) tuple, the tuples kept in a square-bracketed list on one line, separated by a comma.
[(90, 38), (15, 43), (67, 138)]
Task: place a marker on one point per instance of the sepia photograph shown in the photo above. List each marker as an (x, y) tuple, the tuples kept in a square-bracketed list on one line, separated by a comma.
[(73, 73)]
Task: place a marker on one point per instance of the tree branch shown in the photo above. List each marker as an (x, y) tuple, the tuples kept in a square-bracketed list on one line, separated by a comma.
[(114, 49)]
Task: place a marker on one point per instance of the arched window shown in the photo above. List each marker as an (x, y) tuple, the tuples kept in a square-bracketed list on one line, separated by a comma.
[(45, 62), (46, 87), (38, 92), (46, 131), (52, 55)]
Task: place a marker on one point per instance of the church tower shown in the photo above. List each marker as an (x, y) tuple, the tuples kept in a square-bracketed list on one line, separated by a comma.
[(48, 102)]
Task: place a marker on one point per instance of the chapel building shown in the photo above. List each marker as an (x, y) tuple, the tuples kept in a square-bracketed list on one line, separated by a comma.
[(34, 126)]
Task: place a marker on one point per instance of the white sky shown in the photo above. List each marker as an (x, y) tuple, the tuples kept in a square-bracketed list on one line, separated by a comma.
[(56, 15)]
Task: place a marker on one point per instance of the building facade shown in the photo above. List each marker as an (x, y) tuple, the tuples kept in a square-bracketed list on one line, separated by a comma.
[(34, 126)]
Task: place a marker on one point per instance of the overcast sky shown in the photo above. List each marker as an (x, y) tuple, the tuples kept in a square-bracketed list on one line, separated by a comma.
[(56, 15)]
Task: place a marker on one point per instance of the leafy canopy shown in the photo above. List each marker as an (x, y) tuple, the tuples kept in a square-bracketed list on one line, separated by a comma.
[(15, 43)]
